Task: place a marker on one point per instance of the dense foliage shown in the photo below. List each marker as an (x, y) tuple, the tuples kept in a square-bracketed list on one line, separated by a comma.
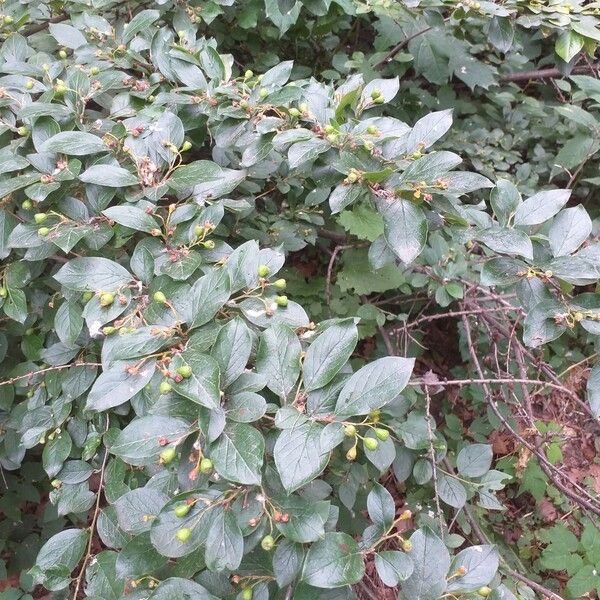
[(229, 233)]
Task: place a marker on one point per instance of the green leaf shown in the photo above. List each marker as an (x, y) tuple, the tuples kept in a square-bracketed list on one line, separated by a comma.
[(238, 454), (137, 508), (298, 455), (362, 222), (287, 562), (507, 241), (405, 227), (132, 217), (505, 199), (540, 207), (141, 441), (381, 507), (570, 228), (68, 322), (206, 298), (224, 544), (593, 390), (374, 385), (333, 561), (108, 176), (431, 562), (568, 44), (203, 385), (74, 143), (393, 567), (278, 358), (118, 384), (303, 152), (474, 460), (95, 274), (451, 491), (501, 33), (56, 451), (481, 563), (429, 129), (307, 518), (232, 350), (62, 551), (328, 354), (67, 35)]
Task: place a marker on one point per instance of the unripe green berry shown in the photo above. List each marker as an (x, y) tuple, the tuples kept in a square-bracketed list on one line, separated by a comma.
[(206, 466), (183, 534), (3, 292), (350, 430), (371, 444), (281, 301), (106, 298), (29, 85), (484, 591), (329, 128), (39, 218), (109, 330), (247, 593), (185, 371), (351, 454), (376, 93), (182, 510), (249, 73), (294, 112), (23, 131), (167, 455), (181, 34), (164, 387), (372, 130), (62, 54), (8, 20), (263, 93), (27, 205), (407, 545), (199, 231), (56, 483), (303, 107), (94, 71), (209, 244), (368, 146), (263, 271), (267, 543), (187, 145), (379, 100), (87, 296), (382, 434), (280, 284), (159, 297), (43, 231), (332, 138), (352, 177)]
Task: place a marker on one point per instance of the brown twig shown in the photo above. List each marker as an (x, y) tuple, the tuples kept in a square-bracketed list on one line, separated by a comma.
[(47, 370)]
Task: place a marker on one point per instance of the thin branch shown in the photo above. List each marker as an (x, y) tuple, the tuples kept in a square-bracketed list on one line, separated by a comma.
[(548, 73), (390, 55), (47, 370), (37, 27)]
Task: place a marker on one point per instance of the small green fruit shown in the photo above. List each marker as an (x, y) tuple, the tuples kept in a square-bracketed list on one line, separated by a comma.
[(8, 20), (372, 130), (109, 330), (182, 510), (368, 146), (379, 100), (199, 231), (43, 231), (281, 301), (382, 434), (263, 271), (267, 543), (332, 138), (249, 73), (352, 177), (185, 371), (294, 112), (29, 85), (351, 454), (329, 128), (167, 455), (62, 54), (183, 534), (3, 292), (106, 298), (187, 145), (27, 205), (280, 284), (350, 430), (247, 593), (264, 92), (303, 107), (484, 591), (371, 444), (164, 387), (39, 218), (94, 71), (87, 296), (407, 545), (206, 466), (376, 93), (209, 244), (23, 131), (159, 297)]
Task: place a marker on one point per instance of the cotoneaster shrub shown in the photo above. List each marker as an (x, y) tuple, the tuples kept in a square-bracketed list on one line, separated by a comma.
[(201, 434)]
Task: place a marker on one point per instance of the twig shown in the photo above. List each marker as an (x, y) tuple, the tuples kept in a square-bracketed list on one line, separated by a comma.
[(334, 254), (388, 57), (548, 73), (37, 27), (457, 313), (57, 368), (88, 552), (440, 515)]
